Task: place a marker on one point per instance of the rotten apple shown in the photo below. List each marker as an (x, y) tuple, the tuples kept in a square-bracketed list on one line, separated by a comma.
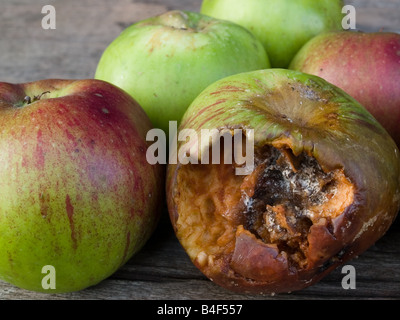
[(325, 184), (165, 61), (76, 190), (365, 65)]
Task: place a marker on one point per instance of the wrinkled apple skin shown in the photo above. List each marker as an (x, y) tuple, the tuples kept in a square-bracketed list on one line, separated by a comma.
[(283, 26), (76, 191), (365, 65), (164, 62), (289, 109)]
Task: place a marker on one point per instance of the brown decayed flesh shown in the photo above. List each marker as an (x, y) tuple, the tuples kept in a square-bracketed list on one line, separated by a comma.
[(263, 230)]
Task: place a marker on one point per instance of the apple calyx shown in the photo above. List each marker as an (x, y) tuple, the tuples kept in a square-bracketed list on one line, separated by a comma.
[(29, 100), (180, 20)]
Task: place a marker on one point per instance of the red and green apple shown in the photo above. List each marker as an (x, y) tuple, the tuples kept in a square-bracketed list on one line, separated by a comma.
[(76, 190), (365, 65)]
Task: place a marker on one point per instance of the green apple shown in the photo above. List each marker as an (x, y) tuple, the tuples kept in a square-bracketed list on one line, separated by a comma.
[(76, 191), (283, 26), (164, 62)]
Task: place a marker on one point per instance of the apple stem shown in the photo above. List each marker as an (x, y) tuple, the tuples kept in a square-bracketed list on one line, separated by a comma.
[(29, 100)]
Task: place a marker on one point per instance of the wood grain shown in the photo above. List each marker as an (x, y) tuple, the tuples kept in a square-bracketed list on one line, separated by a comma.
[(162, 269)]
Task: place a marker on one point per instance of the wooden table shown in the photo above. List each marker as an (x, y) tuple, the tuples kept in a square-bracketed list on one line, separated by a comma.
[(162, 269)]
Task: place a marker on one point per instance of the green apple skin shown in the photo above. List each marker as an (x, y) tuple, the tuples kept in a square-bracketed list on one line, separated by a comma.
[(283, 26), (287, 110), (164, 62), (365, 65), (76, 190)]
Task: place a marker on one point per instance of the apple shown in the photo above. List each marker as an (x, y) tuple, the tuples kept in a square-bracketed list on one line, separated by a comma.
[(283, 26), (165, 61), (325, 184), (365, 65), (76, 190)]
